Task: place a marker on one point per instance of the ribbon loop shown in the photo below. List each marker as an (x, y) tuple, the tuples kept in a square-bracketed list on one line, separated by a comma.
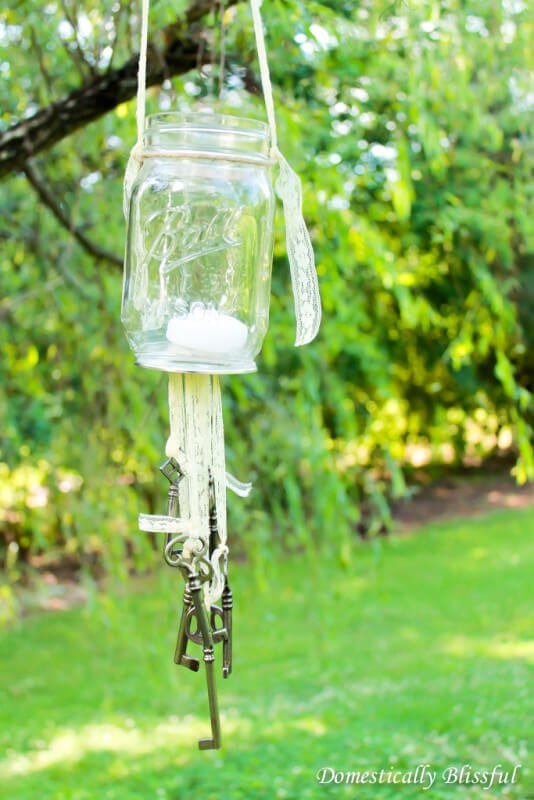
[(289, 189)]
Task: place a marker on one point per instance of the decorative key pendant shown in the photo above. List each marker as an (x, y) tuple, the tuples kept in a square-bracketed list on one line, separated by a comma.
[(173, 473), (195, 587), (180, 655), (227, 605), (217, 634), (197, 570)]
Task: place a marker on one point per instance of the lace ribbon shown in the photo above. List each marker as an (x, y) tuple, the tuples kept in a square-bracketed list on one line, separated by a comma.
[(196, 441)]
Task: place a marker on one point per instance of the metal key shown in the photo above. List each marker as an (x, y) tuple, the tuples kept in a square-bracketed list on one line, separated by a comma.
[(171, 470), (214, 531), (195, 587), (196, 570), (217, 634), (184, 633), (227, 605), (173, 473), (227, 597), (180, 654)]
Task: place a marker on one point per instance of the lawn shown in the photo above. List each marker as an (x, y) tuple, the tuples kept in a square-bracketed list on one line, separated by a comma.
[(420, 651)]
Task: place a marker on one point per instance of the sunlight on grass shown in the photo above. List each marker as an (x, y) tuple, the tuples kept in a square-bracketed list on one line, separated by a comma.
[(512, 649), (479, 552), (72, 745), (310, 725)]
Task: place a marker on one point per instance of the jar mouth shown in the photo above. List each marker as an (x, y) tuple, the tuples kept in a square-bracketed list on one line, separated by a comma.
[(204, 132), (169, 121)]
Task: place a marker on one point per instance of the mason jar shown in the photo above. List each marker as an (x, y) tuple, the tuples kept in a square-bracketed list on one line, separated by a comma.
[(199, 244)]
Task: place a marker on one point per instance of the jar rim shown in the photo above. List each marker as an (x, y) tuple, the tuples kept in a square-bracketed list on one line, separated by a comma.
[(169, 121)]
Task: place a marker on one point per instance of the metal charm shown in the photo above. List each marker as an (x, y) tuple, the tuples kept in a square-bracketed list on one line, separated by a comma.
[(195, 588), (180, 655), (196, 569), (227, 605)]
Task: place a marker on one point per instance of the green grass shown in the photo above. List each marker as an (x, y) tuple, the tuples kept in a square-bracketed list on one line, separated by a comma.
[(420, 652)]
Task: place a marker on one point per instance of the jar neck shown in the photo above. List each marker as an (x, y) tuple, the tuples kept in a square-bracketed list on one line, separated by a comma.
[(207, 133)]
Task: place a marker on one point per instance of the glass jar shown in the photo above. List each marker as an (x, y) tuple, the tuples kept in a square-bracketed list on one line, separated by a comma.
[(199, 245)]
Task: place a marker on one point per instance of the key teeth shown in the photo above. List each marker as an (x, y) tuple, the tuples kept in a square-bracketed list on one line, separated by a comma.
[(208, 744), (191, 663), (220, 635)]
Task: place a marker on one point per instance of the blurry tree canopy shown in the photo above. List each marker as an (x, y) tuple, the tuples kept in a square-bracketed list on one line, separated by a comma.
[(174, 51), (410, 123)]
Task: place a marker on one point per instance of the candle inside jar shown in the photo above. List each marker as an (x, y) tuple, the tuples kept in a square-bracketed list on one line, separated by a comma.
[(207, 330)]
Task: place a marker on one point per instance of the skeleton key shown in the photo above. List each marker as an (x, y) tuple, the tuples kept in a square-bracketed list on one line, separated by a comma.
[(227, 598), (195, 587), (222, 634), (217, 634), (171, 470), (227, 605), (180, 655), (173, 473), (214, 531)]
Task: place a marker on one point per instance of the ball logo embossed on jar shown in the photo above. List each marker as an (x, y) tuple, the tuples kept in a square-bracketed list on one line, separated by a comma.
[(190, 232)]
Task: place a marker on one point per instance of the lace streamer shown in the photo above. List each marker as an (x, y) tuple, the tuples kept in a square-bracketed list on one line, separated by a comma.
[(196, 441)]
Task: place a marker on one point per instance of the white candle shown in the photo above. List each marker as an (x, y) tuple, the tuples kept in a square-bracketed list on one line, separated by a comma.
[(207, 330)]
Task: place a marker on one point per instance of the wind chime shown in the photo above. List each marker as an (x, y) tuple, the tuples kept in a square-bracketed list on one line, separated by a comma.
[(199, 204)]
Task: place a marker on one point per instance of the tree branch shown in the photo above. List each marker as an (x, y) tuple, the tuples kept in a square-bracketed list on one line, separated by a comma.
[(104, 92), (62, 216)]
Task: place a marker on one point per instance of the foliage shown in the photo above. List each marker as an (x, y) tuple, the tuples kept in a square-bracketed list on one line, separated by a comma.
[(353, 672), (410, 126)]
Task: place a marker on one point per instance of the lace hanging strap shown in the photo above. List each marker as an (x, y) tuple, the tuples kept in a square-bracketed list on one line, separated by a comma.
[(136, 153), (289, 190)]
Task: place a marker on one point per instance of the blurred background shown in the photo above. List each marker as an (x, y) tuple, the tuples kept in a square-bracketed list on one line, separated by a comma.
[(410, 124)]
